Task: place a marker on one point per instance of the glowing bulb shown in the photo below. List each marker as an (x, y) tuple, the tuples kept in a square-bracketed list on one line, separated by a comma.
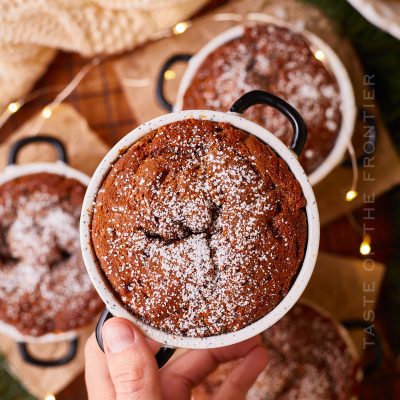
[(365, 246), (46, 112), (49, 396), (169, 74), (180, 27), (351, 195), (320, 55), (13, 107)]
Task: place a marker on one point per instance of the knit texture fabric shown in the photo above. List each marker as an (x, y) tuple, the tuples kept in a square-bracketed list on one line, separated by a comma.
[(32, 30)]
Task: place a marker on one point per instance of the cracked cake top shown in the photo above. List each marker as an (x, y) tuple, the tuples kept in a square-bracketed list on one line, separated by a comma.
[(200, 228)]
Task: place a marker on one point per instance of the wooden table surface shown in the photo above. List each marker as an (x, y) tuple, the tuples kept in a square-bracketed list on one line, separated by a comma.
[(100, 99)]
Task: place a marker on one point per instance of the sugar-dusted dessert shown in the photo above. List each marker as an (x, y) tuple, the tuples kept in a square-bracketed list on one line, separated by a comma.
[(309, 357), (44, 287), (280, 61), (200, 228)]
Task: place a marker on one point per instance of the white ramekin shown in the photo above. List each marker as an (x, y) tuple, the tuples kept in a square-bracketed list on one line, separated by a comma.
[(14, 171), (105, 290), (332, 62)]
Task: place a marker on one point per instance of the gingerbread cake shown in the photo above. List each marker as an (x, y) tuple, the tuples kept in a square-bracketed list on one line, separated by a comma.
[(200, 228), (280, 61), (308, 358), (44, 287)]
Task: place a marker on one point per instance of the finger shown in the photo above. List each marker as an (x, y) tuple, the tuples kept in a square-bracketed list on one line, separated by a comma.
[(131, 362), (180, 376), (154, 346), (97, 377), (243, 376)]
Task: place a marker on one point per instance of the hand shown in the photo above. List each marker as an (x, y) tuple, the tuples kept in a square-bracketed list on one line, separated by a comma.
[(128, 369)]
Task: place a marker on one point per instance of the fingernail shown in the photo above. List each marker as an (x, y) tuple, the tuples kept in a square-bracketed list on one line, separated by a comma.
[(118, 337)]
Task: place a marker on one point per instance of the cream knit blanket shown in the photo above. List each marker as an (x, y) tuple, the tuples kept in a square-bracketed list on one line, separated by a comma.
[(32, 30)]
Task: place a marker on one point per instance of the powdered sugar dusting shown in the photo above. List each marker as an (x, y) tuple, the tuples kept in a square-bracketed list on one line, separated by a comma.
[(194, 238), (279, 61), (307, 359), (41, 270)]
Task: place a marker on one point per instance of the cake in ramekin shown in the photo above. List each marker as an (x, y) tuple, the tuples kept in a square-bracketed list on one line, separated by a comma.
[(281, 61), (310, 356), (44, 287), (200, 228)]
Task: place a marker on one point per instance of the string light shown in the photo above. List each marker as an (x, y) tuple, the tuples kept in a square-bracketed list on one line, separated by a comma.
[(320, 55), (49, 396), (365, 246), (13, 107), (9, 111), (352, 192), (169, 74), (180, 27), (47, 112), (351, 195)]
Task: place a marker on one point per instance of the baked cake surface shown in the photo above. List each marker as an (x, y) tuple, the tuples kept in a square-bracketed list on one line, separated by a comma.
[(200, 228), (308, 358), (44, 286), (280, 61)]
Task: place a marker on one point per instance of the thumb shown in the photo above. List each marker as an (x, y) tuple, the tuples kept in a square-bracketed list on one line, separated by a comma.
[(131, 363)]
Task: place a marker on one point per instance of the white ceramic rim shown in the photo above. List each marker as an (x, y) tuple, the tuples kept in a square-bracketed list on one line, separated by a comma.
[(15, 171), (347, 105), (110, 298)]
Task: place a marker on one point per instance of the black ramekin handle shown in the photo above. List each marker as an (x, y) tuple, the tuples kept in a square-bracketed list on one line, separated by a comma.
[(359, 324), (260, 97), (38, 362), (18, 145), (371, 137), (162, 356), (161, 98)]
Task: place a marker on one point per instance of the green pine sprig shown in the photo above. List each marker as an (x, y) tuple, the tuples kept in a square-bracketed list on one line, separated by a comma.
[(10, 389)]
